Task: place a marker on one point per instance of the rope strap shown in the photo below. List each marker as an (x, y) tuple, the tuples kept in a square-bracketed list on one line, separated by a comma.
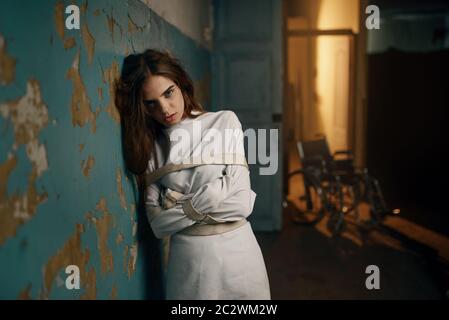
[(225, 159)]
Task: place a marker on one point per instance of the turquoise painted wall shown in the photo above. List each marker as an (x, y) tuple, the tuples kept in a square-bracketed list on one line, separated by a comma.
[(64, 196)]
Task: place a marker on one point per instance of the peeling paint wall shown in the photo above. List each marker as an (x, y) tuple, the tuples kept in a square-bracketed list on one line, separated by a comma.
[(64, 196)]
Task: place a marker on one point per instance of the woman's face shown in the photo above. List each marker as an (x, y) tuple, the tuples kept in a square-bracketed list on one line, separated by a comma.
[(164, 100)]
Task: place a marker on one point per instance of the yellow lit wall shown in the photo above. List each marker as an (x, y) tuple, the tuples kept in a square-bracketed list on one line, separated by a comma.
[(338, 14), (333, 67), (318, 69)]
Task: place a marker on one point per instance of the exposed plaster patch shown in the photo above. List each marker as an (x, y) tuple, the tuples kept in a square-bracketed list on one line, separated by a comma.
[(103, 226), (89, 42), (7, 64), (29, 116), (129, 263), (109, 77), (34, 199), (5, 170), (83, 7), (80, 106), (81, 147), (133, 259), (121, 193), (87, 165), (114, 292), (59, 19), (69, 43), (91, 286), (20, 212), (25, 293), (28, 113), (101, 205), (119, 239), (90, 217), (97, 12), (38, 156), (71, 254)]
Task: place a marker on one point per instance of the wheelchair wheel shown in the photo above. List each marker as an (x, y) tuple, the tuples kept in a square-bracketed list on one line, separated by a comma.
[(375, 200), (336, 223), (306, 200), (349, 204)]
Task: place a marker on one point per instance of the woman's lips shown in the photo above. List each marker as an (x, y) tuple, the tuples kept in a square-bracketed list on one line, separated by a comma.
[(170, 118)]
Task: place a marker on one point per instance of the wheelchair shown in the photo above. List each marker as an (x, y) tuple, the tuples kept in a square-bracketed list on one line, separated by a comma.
[(331, 184)]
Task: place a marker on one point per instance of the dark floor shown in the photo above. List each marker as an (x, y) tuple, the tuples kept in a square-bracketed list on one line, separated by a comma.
[(305, 262)]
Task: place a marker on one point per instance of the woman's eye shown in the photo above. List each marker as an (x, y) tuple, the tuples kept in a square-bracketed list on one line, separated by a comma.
[(150, 105), (169, 93)]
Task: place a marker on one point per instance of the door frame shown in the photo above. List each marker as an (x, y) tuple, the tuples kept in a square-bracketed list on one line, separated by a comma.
[(352, 64)]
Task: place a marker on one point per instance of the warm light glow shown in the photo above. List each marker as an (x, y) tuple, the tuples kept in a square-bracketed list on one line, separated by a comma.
[(332, 69), (332, 87), (338, 14)]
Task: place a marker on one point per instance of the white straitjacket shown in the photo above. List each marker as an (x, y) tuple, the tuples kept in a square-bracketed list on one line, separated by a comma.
[(229, 265)]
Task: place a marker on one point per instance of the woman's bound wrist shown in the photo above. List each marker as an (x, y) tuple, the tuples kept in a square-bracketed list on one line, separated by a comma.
[(191, 212), (171, 198)]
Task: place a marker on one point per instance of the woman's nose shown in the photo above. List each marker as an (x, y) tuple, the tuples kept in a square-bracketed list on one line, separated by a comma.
[(165, 109)]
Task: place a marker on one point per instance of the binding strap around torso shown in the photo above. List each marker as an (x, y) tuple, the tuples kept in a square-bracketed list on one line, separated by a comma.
[(220, 159)]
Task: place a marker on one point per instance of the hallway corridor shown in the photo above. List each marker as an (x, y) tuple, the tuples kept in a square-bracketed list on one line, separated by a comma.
[(306, 262)]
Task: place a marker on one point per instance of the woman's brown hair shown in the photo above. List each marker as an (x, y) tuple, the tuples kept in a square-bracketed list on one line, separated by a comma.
[(139, 130)]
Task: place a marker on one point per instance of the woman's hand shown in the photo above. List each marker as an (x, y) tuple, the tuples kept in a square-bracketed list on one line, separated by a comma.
[(169, 198)]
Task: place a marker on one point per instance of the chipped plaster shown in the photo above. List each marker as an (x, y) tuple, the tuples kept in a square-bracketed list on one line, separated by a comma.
[(7, 64), (80, 106)]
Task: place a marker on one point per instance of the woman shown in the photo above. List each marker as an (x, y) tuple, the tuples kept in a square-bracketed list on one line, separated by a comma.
[(201, 203)]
